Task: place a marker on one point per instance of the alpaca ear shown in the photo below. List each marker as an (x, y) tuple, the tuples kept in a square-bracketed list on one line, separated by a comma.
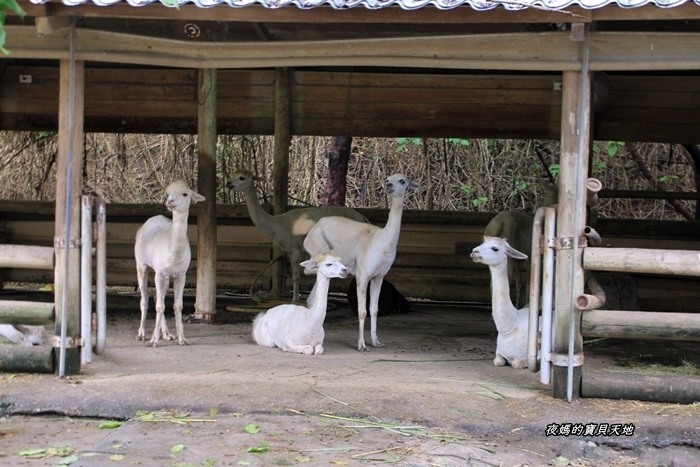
[(309, 265), (413, 185), (196, 197), (258, 179), (513, 253)]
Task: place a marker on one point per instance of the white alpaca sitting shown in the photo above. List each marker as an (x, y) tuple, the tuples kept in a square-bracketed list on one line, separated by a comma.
[(162, 245), (511, 323), (516, 228), (295, 328)]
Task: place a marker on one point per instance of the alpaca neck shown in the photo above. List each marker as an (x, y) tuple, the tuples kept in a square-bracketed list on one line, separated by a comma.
[(317, 312), (393, 224), (178, 233), (504, 312), (256, 212)]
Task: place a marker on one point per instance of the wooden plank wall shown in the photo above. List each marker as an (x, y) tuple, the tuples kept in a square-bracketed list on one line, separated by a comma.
[(432, 260), (327, 103)]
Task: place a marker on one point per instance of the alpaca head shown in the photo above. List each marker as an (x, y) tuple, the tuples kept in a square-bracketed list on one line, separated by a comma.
[(180, 196), (495, 251), (328, 264), (398, 185), (33, 335), (242, 180)]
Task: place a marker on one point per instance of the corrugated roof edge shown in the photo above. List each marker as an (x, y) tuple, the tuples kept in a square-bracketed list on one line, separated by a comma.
[(478, 5)]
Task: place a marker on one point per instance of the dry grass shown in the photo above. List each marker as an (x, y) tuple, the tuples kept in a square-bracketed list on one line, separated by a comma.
[(455, 174)]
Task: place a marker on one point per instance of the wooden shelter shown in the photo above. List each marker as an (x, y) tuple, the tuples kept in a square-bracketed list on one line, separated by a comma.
[(570, 70)]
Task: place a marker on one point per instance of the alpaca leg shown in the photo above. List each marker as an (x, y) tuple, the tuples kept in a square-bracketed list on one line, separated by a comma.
[(361, 311), (162, 283), (303, 349), (178, 290), (165, 333), (318, 349), (142, 274), (374, 291), (519, 363), (499, 361)]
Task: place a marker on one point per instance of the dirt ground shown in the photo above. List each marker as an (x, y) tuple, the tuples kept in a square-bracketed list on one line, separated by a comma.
[(430, 397)]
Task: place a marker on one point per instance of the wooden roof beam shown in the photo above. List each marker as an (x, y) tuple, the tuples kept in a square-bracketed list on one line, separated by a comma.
[(550, 51)]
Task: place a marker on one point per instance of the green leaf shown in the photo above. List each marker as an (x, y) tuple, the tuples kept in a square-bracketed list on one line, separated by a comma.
[(213, 411), (555, 169), (208, 462), (458, 141), (116, 457), (243, 462), (177, 448), (252, 429), (258, 449), (302, 459), (32, 453), (12, 5), (69, 460), (109, 424)]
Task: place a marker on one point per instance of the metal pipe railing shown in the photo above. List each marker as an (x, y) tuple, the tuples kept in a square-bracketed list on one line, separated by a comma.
[(541, 279), (86, 279), (101, 276)]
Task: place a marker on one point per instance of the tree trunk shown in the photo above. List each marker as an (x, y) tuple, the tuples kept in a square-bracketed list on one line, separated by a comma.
[(338, 159)]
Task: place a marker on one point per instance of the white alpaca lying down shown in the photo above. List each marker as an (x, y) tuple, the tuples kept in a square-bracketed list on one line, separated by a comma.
[(295, 328), (24, 335)]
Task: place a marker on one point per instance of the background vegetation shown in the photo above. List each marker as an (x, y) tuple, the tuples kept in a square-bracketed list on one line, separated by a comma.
[(454, 174)]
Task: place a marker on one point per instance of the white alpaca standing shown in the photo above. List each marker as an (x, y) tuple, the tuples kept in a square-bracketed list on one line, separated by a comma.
[(24, 335), (367, 250), (286, 230), (162, 245), (511, 323), (296, 328)]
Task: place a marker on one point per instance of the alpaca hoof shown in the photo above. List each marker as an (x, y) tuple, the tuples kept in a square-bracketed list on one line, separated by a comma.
[(183, 342), (377, 344), (153, 344), (499, 361), (318, 350), (362, 347)]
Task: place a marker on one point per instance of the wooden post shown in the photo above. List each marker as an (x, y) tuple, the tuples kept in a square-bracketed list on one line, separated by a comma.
[(27, 313), (643, 260), (571, 219), (70, 152), (640, 387), (280, 181), (205, 302), (641, 325)]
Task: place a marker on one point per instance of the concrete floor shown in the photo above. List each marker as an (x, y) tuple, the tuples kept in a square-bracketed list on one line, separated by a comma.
[(431, 396)]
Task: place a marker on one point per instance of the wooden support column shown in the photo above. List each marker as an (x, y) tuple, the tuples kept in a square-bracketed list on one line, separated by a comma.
[(280, 179), (571, 220), (205, 302), (67, 243)]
